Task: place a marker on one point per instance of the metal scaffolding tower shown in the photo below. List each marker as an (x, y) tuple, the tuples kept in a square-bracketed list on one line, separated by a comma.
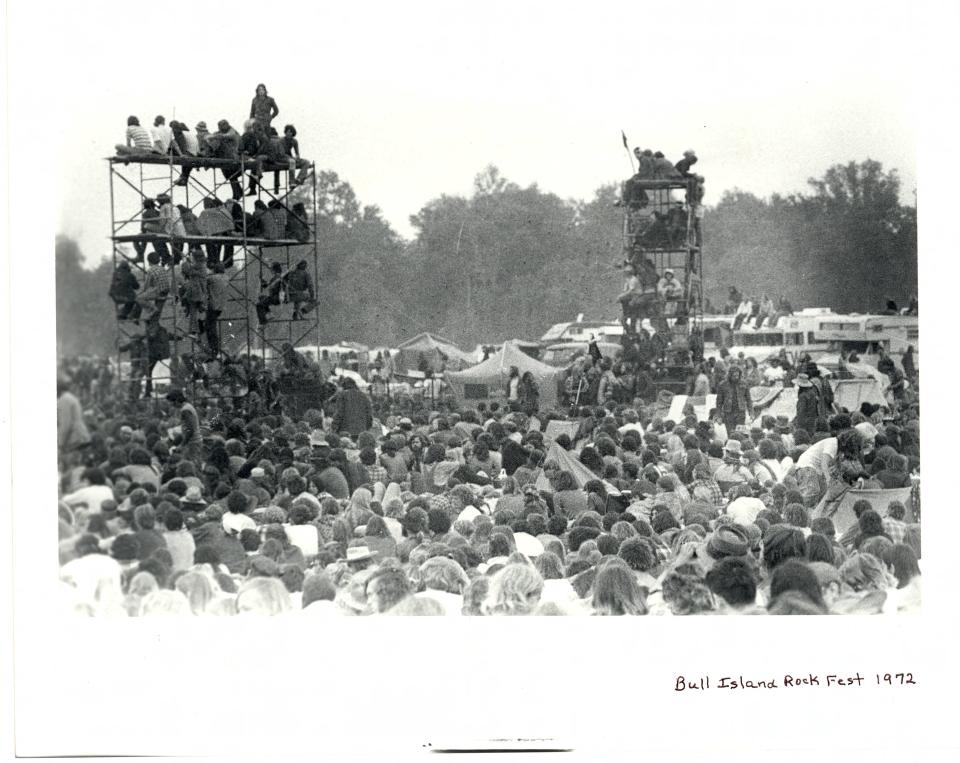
[(275, 225), (661, 232)]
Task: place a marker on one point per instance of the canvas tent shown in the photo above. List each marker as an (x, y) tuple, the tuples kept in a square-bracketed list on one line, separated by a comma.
[(568, 462), (840, 507), (435, 350), (488, 380)]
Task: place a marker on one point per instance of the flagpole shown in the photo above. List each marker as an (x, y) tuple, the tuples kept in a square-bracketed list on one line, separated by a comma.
[(626, 148)]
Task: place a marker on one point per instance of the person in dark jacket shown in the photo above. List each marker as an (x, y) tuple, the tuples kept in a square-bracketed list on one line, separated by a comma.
[(123, 291), (254, 144), (300, 290), (354, 413), (263, 108), (733, 400), (225, 144), (808, 404)]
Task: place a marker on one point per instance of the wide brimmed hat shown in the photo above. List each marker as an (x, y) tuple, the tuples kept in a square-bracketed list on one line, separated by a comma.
[(359, 554), (733, 446), (803, 380)]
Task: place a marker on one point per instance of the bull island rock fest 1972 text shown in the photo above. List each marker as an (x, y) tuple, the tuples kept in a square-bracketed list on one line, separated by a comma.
[(788, 681)]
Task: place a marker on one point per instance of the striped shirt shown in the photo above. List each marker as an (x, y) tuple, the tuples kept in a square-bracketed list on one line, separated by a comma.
[(139, 137)]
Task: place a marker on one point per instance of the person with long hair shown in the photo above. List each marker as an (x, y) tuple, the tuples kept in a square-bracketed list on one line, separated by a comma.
[(615, 592), (263, 108)]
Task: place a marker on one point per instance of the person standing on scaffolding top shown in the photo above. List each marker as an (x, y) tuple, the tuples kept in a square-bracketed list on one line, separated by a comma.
[(263, 108)]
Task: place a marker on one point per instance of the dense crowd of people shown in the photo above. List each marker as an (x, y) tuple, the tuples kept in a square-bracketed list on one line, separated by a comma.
[(366, 507)]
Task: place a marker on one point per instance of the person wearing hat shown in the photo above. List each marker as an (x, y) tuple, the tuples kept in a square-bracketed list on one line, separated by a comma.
[(732, 472), (733, 400), (808, 404)]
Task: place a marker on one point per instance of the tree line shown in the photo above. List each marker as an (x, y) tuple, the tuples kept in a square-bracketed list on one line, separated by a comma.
[(507, 261)]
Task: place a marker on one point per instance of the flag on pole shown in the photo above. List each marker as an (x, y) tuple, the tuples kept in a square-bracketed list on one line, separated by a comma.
[(625, 140)]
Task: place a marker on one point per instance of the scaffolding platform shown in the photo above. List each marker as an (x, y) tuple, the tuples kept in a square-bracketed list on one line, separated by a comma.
[(206, 162), (186, 345), (152, 238)]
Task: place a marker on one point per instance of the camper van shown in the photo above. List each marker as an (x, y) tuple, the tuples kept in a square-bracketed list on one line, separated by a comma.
[(582, 331), (817, 331)]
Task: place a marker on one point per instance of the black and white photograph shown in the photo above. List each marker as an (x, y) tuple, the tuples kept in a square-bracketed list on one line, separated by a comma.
[(470, 311)]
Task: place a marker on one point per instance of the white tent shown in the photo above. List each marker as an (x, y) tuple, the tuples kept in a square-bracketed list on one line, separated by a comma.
[(435, 350), (488, 380)]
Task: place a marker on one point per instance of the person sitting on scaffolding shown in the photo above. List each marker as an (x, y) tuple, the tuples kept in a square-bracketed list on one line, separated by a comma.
[(123, 292), (632, 194), (255, 145), (139, 141), (670, 290), (275, 153), (684, 165), (149, 225), (184, 144), (663, 168), (271, 292), (225, 144), (292, 149), (300, 290), (193, 296)]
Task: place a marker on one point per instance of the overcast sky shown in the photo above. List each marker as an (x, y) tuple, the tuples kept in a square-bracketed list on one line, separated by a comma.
[(410, 101)]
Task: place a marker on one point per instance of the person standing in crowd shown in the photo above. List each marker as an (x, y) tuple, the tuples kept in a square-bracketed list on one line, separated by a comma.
[(808, 404), (353, 413), (528, 394), (733, 400), (189, 439), (72, 432), (513, 385)]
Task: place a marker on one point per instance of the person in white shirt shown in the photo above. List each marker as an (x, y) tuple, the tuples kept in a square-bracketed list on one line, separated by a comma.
[(92, 494), (162, 135)]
